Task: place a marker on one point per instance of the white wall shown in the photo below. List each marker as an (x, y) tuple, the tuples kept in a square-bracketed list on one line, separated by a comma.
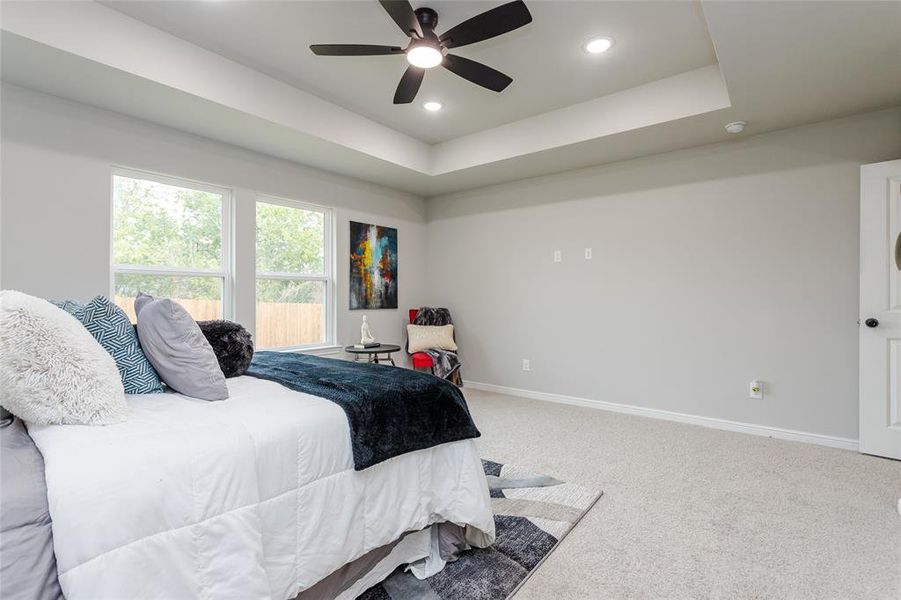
[(56, 161), (710, 267)]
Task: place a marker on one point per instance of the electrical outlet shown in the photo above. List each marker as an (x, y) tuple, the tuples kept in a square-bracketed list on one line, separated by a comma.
[(755, 390), (587, 253), (558, 256), (525, 365)]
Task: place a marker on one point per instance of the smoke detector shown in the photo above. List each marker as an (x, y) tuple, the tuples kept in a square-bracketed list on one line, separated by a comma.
[(736, 126)]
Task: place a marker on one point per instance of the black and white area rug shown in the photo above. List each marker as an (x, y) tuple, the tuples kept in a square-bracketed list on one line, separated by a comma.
[(532, 514)]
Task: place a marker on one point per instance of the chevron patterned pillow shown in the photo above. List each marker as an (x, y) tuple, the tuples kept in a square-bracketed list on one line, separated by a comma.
[(110, 326)]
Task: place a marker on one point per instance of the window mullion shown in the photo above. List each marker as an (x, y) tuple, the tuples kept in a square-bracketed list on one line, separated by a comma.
[(175, 271), (290, 276)]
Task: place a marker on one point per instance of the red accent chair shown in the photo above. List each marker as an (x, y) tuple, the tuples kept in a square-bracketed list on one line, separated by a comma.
[(420, 360)]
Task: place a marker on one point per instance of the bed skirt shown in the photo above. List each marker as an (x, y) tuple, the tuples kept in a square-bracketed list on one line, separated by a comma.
[(427, 551)]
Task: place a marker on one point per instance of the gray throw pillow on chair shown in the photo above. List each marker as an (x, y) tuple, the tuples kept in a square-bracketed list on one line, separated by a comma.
[(178, 350)]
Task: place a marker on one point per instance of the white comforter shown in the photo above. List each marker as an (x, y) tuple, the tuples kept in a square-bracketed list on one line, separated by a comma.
[(253, 497)]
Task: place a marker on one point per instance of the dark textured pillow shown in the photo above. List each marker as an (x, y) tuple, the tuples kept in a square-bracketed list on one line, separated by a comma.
[(231, 343)]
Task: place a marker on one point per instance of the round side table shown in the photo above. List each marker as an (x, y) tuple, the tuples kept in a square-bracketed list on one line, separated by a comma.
[(373, 354)]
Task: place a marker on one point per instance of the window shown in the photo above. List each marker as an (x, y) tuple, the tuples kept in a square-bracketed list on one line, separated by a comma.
[(170, 239), (294, 275)]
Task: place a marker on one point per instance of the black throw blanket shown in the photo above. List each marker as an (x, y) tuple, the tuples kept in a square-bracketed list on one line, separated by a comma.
[(391, 411)]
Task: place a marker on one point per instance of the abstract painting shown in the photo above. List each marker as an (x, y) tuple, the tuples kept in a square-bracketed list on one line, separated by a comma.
[(373, 266)]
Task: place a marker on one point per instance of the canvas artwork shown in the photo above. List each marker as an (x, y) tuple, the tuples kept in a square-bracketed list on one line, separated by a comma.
[(373, 266)]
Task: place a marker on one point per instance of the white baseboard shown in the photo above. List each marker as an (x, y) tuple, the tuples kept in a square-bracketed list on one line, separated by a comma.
[(713, 423)]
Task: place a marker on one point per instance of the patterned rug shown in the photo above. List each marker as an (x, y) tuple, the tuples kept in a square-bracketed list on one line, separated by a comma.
[(532, 513)]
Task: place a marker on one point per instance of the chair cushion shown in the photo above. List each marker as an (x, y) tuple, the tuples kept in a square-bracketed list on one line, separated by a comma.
[(421, 359)]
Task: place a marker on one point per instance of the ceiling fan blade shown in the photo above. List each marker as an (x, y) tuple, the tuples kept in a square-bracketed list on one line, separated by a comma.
[(409, 85), (476, 72), (403, 15), (354, 50), (489, 24)]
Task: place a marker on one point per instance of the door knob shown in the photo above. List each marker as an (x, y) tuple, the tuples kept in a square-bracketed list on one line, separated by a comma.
[(871, 323)]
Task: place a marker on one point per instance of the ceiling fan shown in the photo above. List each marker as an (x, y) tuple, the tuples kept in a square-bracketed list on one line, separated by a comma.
[(427, 49)]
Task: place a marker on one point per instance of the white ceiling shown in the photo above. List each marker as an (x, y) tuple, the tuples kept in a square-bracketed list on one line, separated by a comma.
[(241, 72), (545, 58)]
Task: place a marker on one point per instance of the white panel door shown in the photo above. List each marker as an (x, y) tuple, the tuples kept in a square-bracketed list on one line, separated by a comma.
[(880, 309)]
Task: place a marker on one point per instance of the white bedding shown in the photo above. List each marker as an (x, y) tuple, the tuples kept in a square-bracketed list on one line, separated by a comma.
[(249, 498)]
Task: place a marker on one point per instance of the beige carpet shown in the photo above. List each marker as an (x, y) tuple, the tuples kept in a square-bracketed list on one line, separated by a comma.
[(690, 512)]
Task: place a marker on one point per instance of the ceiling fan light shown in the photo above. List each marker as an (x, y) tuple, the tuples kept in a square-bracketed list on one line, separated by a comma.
[(598, 45), (424, 57), (432, 106)]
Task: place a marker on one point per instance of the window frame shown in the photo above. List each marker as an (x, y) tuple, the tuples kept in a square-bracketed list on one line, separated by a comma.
[(328, 269), (227, 264)]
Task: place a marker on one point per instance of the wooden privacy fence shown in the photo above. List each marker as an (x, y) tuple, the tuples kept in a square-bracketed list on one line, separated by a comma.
[(278, 324), (288, 324), (202, 309)]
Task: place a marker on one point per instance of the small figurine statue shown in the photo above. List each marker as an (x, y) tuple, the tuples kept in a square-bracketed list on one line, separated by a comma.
[(366, 333)]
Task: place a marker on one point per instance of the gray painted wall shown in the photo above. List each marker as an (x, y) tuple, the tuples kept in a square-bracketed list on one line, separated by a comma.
[(710, 267), (55, 239)]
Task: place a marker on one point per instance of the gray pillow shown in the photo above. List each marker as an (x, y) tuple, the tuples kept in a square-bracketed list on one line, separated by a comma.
[(178, 350)]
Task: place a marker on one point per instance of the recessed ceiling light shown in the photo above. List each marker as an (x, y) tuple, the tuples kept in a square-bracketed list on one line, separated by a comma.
[(432, 106), (424, 56), (598, 45)]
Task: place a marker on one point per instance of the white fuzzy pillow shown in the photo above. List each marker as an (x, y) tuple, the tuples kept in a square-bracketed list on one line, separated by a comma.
[(52, 370), (423, 337)]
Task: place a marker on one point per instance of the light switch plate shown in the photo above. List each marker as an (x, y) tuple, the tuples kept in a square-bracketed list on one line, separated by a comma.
[(587, 253), (558, 256)]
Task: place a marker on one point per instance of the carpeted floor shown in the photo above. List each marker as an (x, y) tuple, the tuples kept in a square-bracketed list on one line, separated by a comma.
[(690, 512)]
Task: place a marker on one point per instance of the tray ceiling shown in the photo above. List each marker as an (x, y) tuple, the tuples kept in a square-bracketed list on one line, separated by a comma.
[(240, 72), (550, 69)]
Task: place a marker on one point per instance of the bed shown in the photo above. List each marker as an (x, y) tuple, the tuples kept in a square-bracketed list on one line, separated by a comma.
[(253, 497), (27, 564)]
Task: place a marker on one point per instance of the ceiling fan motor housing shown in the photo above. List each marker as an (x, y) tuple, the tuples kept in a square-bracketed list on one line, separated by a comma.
[(427, 18)]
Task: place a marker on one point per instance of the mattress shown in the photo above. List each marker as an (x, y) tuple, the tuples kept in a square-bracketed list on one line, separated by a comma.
[(252, 497)]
